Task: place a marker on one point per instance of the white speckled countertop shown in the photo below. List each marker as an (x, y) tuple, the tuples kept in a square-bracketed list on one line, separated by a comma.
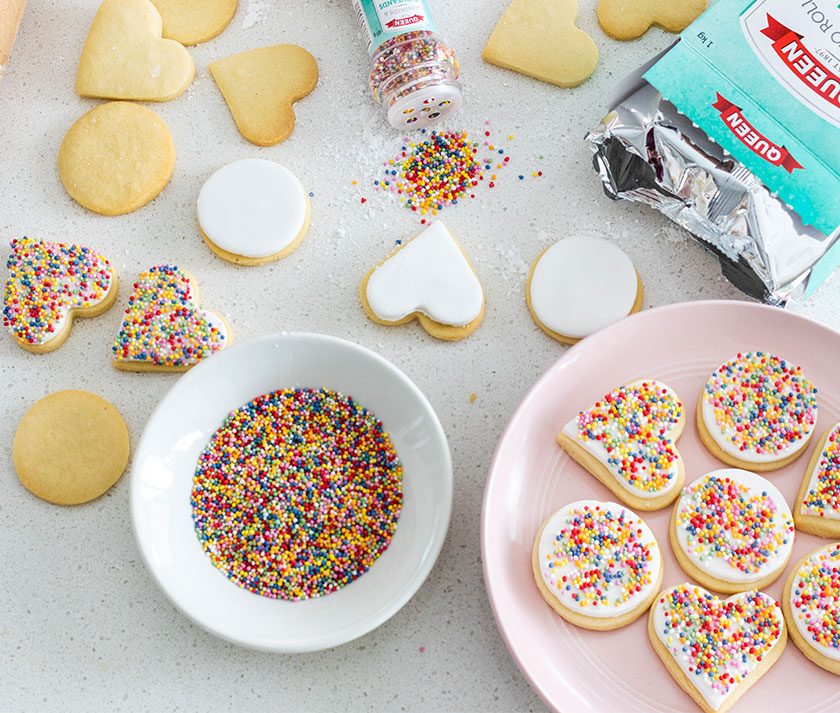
[(82, 624)]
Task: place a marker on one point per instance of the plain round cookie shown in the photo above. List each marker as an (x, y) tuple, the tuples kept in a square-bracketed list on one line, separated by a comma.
[(70, 447), (192, 22), (116, 158), (580, 285)]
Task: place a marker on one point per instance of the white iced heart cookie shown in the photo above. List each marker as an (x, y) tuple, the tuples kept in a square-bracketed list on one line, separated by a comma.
[(253, 211), (581, 285), (817, 508), (429, 279)]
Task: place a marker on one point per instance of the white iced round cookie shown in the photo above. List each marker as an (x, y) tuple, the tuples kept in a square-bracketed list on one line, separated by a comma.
[(253, 211), (597, 564), (732, 531), (581, 285)]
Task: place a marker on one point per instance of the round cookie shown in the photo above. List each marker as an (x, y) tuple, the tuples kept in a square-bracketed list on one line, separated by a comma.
[(116, 158), (811, 603), (757, 411), (597, 564), (817, 508), (253, 211), (732, 530), (580, 285), (70, 447), (191, 22)]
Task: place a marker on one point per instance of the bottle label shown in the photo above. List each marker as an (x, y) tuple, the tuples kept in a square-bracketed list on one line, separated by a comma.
[(384, 19)]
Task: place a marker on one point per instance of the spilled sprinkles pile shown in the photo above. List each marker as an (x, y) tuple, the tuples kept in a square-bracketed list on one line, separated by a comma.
[(823, 499), (815, 599), (297, 494)]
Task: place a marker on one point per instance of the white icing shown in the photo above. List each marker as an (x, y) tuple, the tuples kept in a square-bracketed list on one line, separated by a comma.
[(597, 449), (714, 698), (718, 567), (430, 275), (828, 513), (800, 619), (253, 208), (616, 606), (581, 285)]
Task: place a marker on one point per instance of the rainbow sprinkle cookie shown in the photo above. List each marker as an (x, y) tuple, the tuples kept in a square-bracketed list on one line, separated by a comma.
[(732, 530), (49, 285), (297, 494), (628, 441), (812, 607), (597, 564), (757, 411), (818, 501), (164, 329), (716, 649)]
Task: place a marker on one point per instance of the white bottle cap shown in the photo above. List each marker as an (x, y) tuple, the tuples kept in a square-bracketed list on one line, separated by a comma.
[(427, 106)]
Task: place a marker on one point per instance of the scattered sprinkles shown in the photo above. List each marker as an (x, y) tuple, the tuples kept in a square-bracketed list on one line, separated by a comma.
[(46, 281), (718, 642), (823, 496), (762, 404), (163, 326), (601, 557), (297, 494), (724, 519), (814, 599), (634, 425)]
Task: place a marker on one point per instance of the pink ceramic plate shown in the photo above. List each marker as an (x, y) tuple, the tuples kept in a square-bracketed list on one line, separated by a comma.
[(575, 670)]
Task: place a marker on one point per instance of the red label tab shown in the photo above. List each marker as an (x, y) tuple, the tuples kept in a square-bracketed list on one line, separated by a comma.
[(404, 21), (754, 140), (801, 62)]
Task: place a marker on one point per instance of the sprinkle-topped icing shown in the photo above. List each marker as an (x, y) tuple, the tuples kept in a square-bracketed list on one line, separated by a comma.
[(759, 408), (735, 526), (822, 498), (46, 282), (163, 325), (297, 494), (599, 559), (630, 430), (815, 601), (717, 643)]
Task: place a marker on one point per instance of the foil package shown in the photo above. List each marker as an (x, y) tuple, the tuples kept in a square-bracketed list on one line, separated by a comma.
[(648, 152)]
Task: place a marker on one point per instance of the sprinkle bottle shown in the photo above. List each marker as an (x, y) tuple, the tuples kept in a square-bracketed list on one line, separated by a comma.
[(413, 72)]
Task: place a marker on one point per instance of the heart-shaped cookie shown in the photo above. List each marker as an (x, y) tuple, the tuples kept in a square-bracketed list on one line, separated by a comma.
[(817, 509), (125, 56), (49, 285), (716, 649), (429, 279), (629, 19), (164, 329), (539, 38), (261, 86), (193, 21), (627, 440)]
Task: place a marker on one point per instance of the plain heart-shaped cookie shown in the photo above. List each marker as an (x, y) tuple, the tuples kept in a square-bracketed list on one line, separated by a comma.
[(817, 508), (716, 649), (125, 56), (191, 22), (629, 19), (627, 440), (429, 279), (539, 38), (261, 86), (49, 285), (164, 329)]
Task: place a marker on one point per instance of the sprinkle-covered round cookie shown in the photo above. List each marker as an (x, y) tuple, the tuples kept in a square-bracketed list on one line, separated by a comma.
[(49, 285), (732, 530), (715, 648), (812, 606), (817, 508), (597, 564), (757, 411), (297, 494)]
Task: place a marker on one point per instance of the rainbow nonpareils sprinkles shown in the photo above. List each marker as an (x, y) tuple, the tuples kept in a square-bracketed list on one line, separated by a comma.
[(297, 494)]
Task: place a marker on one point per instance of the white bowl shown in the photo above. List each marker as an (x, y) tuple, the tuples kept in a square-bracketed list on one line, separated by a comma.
[(180, 428)]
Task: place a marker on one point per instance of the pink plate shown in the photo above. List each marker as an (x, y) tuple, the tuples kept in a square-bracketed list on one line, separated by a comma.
[(575, 670)]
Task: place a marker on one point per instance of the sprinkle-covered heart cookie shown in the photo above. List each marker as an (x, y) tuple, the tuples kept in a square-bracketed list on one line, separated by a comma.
[(429, 279), (817, 509), (164, 329), (49, 285), (716, 649), (629, 19), (627, 440)]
